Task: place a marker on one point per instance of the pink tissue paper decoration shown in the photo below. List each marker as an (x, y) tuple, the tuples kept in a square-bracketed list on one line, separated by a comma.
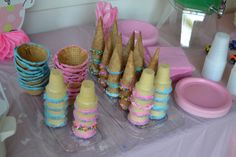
[(180, 66), (107, 13), (9, 40)]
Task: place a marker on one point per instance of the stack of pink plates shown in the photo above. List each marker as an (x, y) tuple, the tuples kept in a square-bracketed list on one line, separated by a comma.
[(203, 98), (73, 62)]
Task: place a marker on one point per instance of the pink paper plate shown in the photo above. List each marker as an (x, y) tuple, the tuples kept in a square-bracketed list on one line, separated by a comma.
[(203, 98), (149, 32)]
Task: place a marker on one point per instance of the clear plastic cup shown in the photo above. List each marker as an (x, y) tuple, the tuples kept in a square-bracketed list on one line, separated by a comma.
[(232, 81)]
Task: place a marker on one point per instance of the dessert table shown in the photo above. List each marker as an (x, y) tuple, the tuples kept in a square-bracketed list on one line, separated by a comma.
[(181, 135)]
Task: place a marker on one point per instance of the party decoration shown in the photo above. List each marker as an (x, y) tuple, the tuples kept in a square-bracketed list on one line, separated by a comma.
[(12, 14), (85, 111), (142, 99), (31, 62), (55, 105), (8, 41), (108, 14), (73, 62)]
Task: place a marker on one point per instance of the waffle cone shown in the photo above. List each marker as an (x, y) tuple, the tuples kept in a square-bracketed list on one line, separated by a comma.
[(129, 47), (119, 45), (154, 61), (32, 53), (72, 55), (125, 93), (114, 78), (114, 34), (113, 90), (34, 92), (98, 41), (115, 64), (107, 51), (129, 73)]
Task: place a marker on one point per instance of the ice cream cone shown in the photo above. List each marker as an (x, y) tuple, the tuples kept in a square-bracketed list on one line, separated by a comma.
[(154, 61), (107, 51), (129, 47), (140, 45), (129, 73), (98, 41), (114, 34), (119, 46), (115, 64), (87, 98), (138, 57), (146, 82), (163, 74), (56, 82)]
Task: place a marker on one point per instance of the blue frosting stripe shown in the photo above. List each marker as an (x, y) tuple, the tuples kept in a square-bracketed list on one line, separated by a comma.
[(45, 97), (55, 126), (96, 61), (55, 117), (157, 117), (113, 95), (156, 99), (113, 73), (113, 85), (165, 91), (139, 69), (160, 108)]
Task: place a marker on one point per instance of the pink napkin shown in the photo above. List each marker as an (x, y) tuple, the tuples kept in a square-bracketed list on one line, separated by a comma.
[(176, 58), (9, 40)]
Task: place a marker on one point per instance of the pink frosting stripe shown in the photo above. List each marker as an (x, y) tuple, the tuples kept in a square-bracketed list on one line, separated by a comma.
[(91, 111), (139, 114), (148, 107), (93, 119), (138, 95)]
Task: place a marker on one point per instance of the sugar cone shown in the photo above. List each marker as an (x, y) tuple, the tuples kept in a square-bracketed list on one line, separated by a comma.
[(98, 41), (87, 98), (107, 51), (140, 45), (154, 61), (146, 81), (115, 64), (129, 73), (119, 44), (138, 58), (163, 74), (128, 48), (114, 34)]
